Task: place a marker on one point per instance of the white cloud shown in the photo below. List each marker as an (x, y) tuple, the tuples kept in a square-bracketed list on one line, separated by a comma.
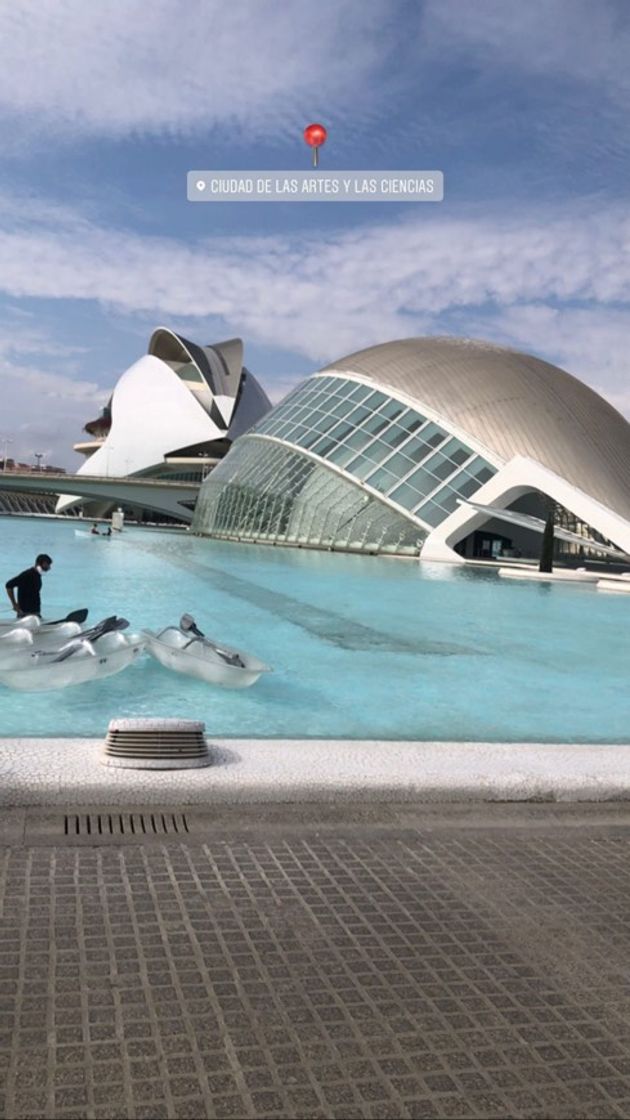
[(121, 67), (577, 39), (557, 284), (45, 412), (260, 69), (321, 294)]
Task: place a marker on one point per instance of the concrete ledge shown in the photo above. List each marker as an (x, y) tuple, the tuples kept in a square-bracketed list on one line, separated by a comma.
[(68, 772)]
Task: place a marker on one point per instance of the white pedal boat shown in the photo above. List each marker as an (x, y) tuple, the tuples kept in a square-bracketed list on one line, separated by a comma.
[(33, 623), (184, 649), (21, 640), (26, 622), (79, 660)]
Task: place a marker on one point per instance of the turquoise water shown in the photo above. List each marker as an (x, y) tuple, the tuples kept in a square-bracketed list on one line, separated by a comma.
[(361, 647)]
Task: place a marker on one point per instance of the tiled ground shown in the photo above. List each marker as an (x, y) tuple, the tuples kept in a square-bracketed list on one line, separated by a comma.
[(403, 967)]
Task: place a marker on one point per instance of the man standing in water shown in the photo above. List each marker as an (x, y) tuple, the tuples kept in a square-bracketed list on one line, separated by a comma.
[(28, 586)]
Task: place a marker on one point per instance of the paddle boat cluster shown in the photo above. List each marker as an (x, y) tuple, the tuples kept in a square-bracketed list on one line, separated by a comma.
[(37, 656)]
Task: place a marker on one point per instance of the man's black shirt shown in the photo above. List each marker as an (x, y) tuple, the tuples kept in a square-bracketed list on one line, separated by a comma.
[(28, 585)]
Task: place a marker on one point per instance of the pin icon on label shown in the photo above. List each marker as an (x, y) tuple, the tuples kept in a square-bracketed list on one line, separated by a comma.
[(200, 184), (315, 135)]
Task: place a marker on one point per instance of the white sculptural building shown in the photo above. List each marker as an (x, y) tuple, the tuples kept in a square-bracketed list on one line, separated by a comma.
[(173, 414), (451, 448)]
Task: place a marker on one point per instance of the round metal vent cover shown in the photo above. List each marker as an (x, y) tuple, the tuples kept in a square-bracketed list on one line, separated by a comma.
[(156, 744)]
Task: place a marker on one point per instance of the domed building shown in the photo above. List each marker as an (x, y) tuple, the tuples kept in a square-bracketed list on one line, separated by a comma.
[(173, 414), (452, 448)]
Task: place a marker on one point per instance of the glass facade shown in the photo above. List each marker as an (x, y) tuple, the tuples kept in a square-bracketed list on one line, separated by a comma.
[(267, 492), (376, 440), (381, 442)]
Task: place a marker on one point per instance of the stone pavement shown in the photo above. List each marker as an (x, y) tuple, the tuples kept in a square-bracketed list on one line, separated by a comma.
[(313, 961)]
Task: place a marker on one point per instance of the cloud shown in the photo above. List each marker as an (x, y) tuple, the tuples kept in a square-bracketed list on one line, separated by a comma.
[(257, 69), (45, 412), (43, 409), (553, 282), (538, 92), (119, 68), (321, 293), (574, 39)]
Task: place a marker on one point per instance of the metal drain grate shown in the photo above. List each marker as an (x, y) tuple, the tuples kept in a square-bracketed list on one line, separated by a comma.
[(156, 744), (125, 824)]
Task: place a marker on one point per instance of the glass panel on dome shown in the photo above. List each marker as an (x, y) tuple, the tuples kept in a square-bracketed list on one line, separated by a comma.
[(411, 421), (421, 445), (362, 465), (298, 432), (323, 447), (341, 455), (325, 423), (310, 439), (324, 386), (440, 467), (400, 464), (317, 400), (452, 446), (301, 411), (375, 400), (382, 479), (484, 475), (422, 482), (394, 436), (459, 455), (375, 424), (467, 487), (358, 414), (445, 499), (359, 392), (405, 495), (432, 514), (340, 431), (392, 409), (358, 439), (341, 408), (343, 388)]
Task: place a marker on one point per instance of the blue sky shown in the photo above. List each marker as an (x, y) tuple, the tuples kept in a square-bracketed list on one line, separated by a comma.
[(104, 108)]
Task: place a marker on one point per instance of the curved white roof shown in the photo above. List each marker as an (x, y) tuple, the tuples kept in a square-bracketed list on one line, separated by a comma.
[(511, 403), (155, 412)]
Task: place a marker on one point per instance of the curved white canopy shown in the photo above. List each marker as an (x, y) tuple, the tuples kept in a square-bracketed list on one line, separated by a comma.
[(537, 525)]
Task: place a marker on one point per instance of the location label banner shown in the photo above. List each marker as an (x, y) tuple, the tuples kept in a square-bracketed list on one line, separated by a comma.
[(315, 186)]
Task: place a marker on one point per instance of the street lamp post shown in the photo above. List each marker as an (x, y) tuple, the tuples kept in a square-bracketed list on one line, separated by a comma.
[(6, 441)]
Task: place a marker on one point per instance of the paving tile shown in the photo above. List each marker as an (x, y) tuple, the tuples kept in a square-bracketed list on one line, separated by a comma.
[(334, 971)]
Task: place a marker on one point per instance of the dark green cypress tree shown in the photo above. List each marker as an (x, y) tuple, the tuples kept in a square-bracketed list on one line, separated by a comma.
[(546, 551)]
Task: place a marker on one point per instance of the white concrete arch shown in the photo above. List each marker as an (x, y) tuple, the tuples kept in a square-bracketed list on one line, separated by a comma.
[(518, 477)]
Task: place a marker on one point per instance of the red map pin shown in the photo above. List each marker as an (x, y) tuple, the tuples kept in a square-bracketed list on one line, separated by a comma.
[(315, 135)]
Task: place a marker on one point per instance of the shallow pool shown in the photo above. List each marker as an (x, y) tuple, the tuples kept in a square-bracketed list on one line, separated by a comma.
[(361, 647)]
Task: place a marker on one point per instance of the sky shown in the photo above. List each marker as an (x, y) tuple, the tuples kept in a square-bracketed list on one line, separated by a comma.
[(104, 108)]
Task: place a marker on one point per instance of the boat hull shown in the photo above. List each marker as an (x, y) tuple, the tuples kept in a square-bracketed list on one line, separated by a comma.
[(41, 674), (213, 671), (14, 644)]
